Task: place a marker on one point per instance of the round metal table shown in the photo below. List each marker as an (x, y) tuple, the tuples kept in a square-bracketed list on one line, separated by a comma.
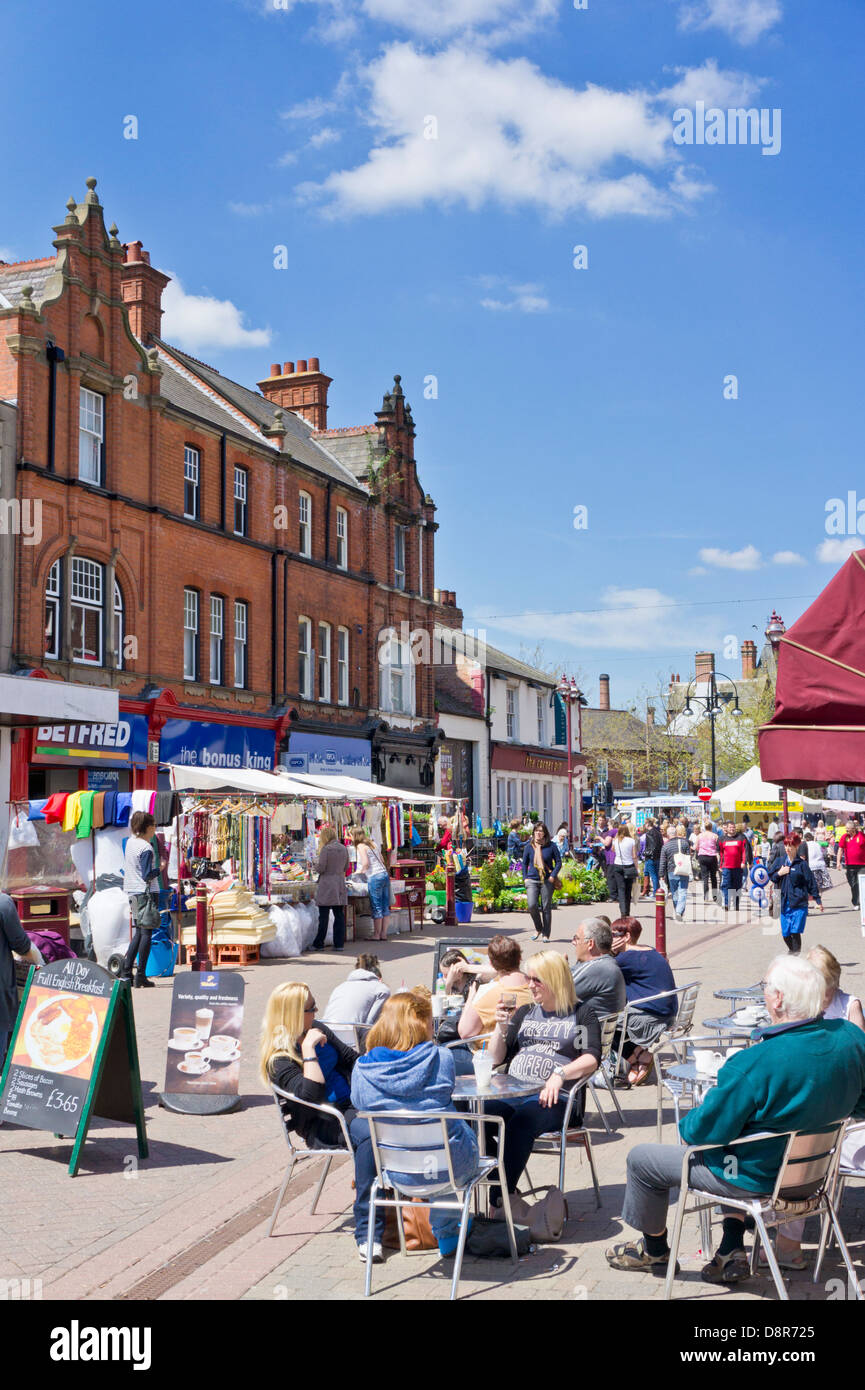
[(501, 1087), (729, 1024), (749, 993)]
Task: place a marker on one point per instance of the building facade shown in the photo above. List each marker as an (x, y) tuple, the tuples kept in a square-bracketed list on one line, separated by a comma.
[(204, 549)]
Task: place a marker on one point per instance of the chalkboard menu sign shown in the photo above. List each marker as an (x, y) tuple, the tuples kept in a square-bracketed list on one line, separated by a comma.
[(73, 1055)]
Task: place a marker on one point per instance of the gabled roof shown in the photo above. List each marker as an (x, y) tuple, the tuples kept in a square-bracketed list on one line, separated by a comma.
[(15, 276), (510, 666), (351, 446), (619, 728), (238, 407)]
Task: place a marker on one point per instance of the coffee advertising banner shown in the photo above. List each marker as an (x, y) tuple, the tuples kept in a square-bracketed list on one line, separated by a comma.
[(205, 1034)]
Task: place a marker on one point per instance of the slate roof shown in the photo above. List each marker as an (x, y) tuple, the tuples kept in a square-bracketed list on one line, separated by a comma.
[(351, 446), (14, 277), (247, 410), (618, 728)]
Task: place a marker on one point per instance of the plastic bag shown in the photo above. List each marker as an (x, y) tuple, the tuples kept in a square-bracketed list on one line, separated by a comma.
[(22, 832)]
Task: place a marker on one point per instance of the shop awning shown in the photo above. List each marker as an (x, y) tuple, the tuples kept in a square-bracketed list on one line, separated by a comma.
[(32, 700), (817, 733), (240, 779), (355, 789), (750, 793)]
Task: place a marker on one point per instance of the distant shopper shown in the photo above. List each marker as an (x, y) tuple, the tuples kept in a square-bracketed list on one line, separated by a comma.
[(654, 843), (707, 858), (624, 867), (331, 893), (797, 884), (371, 866), (541, 864), (852, 846), (733, 857), (515, 839), (140, 874), (675, 866)]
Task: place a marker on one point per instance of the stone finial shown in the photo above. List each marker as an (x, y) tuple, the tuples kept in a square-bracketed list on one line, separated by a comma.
[(91, 194), (397, 389), (276, 429), (71, 205), (112, 233), (26, 302)]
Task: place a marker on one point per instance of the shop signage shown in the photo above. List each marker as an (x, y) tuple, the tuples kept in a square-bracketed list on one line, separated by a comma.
[(196, 744), (767, 807), (509, 759), (329, 754), (101, 779), (123, 744), (204, 1034), (73, 1055)]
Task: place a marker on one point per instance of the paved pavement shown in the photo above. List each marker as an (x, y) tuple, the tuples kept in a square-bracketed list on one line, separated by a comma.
[(190, 1221)]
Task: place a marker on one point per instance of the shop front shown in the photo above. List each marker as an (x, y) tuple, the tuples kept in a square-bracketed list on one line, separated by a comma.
[(328, 754), (456, 771), (405, 757), (535, 780), (88, 756), (194, 742)]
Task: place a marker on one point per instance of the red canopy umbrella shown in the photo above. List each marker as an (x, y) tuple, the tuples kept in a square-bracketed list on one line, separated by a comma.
[(817, 733)]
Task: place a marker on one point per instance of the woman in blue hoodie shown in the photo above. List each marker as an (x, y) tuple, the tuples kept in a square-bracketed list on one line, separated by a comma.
[(403, 1069)]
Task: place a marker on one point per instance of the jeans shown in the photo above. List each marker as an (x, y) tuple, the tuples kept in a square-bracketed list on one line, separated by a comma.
[(708, 870), (140, 946), (364, 1176), (650, 867), (524, 1121), (731, 879), (679, 890), (463, 1065), (654, 1172), (338, 926), (541, 916), (624, 877), (378, 888), (853, 871)]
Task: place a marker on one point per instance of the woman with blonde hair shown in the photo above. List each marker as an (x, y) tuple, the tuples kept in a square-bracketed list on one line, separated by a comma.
[(331, 894), (541, 864), (372, 867), (836, 1003), (403, 1069), (301, 1055), (556, 1040)]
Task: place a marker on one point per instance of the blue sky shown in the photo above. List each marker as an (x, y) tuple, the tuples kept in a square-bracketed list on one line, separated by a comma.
[(307, 126)]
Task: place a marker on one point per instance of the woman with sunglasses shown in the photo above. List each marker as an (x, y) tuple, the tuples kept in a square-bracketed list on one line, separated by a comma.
[(555, 1040)]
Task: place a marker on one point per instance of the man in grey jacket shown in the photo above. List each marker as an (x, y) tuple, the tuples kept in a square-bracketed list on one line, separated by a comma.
[(360, 998), (597, 977)]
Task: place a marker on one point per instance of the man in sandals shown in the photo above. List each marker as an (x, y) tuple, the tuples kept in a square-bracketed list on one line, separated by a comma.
[(803, 1073)]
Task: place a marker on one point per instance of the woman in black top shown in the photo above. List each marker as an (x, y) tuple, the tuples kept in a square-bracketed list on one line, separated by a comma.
[(303, 1056), (541, 864)]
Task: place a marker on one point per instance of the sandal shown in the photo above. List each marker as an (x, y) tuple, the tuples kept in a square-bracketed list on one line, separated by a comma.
[(642, 1072), (632, 1254), (786, 1259), (727, 1269)]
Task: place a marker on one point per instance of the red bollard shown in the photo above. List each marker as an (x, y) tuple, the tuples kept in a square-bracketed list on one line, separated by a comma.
[(661, 921), (200, 959), (450, 898)]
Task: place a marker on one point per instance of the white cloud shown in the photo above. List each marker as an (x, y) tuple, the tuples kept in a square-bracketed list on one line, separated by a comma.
[(713, 85), (835, 551), (326, 136), (196, 321), (497, 20), (629, 619), (249, 209), (788, 557), (311, 110), (526, 299), (505, 133), (743, 20), (290, 157), (748, 558), (7, 254), (698, 569)]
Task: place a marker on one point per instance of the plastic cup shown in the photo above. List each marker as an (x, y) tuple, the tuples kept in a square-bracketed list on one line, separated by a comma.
[(483, 1068)]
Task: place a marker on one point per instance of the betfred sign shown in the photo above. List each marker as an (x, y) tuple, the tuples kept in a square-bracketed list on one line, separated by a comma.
[(123, 744), (705, 793)]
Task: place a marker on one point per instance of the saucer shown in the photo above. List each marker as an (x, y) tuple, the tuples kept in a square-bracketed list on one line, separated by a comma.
[(181, 1066), (214, 1057), (182, 1047)]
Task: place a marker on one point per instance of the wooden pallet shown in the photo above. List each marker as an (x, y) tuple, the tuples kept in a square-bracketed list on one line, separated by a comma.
[(235, 954)]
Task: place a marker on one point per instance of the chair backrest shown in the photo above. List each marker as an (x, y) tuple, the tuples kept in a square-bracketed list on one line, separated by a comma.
[(328, 1111), (687, 1006), (609, 1023), (352, 1034), (412, 1142), (808, 1163)]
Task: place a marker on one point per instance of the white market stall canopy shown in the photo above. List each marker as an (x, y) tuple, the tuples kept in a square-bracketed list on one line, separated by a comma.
[(243, 779), (749, 793), (839, 807)]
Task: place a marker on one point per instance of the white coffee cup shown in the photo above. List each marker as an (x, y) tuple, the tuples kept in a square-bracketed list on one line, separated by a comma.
[(195, 1062), (707, 1062), (186, 1037), (221, 1045), (483, 1068)]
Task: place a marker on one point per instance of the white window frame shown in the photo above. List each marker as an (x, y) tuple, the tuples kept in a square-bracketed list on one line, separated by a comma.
[(91, 436), (603, 769), (542, 723), (501, 798), (511, 798), (241, 630), (86, 597), (217, 639), (323, 664), (304, 524), (342, 650), (241, 500), (304, 657), (663, 778), (53, 603), (397, 685), (512, 723), (118, 616), (341, 538), (399, 557), (627, 777), (546, 802), (192, 479), (191, 623), (533, 796)]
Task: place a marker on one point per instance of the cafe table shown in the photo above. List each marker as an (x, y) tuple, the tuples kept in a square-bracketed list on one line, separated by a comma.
[(730, 1025), (749, 994), (501, 1087)]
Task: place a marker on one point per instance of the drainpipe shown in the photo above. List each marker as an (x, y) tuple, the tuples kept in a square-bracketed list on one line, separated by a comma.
[(327, 524), (222, 479), (273, 578), (489, 747), (54, 355)]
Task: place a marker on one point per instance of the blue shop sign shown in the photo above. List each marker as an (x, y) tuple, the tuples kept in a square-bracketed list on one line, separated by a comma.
[(329, 755), (123, 744), (195, 744)]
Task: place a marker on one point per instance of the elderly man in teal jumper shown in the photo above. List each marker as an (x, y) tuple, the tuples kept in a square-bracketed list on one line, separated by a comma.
[(803, 1072)]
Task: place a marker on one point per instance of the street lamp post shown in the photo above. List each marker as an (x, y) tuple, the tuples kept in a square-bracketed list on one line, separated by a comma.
[(712, 706), (571, 695)]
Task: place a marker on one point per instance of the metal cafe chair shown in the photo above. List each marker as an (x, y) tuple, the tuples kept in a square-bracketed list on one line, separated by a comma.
[(677, 1089), (843, 1175), (353, 1034), (609, 1023), (679, 1025), (810, 1161), (297, 1152), (409, 1143), (557, 1142)]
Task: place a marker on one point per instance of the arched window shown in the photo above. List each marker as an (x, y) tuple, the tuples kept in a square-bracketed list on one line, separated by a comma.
[(87, 589)]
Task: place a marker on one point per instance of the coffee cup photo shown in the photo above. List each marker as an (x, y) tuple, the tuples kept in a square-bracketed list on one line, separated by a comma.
[(186, 1037), (221, 1045)]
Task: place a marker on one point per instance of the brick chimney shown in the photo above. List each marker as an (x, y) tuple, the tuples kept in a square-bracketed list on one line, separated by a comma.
[(301, 387), (141, 287), (650, 715), (704, 665), (749, 660), (604, 702)]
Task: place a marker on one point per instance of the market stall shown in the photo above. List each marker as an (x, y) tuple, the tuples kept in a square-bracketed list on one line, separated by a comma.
[(750, 795)]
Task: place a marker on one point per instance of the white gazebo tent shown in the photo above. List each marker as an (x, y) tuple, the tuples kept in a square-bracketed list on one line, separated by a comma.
[(749, 793), (244, 779)]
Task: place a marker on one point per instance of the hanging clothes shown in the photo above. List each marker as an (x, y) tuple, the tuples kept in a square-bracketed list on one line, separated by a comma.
[(109, 808), (123, 808), (141, 799), (164, 807), (71, 811), (84, 823), (36, 809), (55, 807), (98, 810)]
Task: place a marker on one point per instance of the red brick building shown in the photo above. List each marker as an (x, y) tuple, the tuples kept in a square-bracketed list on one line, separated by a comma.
[(212, 551)]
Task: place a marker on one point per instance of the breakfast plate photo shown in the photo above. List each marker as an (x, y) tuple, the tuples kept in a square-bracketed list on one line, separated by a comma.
[(62, 1033)]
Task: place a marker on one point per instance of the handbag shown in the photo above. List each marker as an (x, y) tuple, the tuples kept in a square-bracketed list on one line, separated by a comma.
[(548, 1216), (682, 863), (146, 914), (488, 1240), (416, 1224)]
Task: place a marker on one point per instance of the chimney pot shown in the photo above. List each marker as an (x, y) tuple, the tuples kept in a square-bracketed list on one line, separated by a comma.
[(301, 364), (704, 665), (133, 251), (288, 369), (604, 702), (274, 369), (313, 364)]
